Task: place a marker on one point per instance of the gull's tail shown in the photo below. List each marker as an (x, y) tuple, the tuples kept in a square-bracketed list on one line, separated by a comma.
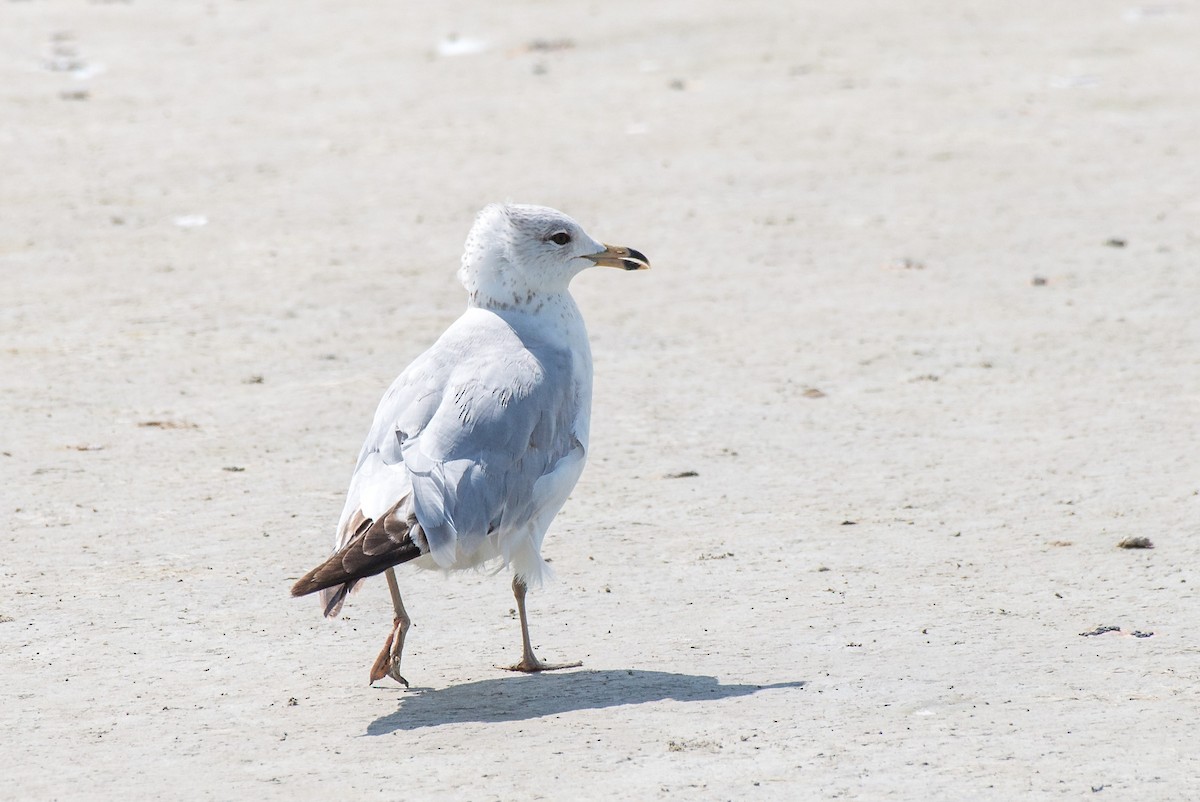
[(375, 546)]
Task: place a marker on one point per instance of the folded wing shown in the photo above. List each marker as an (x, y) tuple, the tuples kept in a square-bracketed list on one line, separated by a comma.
[(457, 446)]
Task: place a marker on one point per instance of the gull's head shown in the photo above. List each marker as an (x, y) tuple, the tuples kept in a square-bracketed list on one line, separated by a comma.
[(515, 254)]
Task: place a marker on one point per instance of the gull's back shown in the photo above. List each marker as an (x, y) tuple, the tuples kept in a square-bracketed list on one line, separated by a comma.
[(466, 432)]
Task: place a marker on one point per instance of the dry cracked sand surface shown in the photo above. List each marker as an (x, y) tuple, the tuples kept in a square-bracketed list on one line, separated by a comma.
[(920, 348)]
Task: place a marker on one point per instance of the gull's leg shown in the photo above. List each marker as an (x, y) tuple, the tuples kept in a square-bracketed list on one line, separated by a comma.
[(387, 664), (529, 663)]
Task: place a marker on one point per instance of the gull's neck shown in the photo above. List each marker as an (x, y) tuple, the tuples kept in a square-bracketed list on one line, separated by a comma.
[(493, 283), (527, 302), (554, 315)]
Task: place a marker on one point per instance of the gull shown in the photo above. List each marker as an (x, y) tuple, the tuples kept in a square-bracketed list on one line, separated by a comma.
[(477, 444)]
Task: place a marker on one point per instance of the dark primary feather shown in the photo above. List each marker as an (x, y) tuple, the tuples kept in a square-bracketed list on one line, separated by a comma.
[(375, 546)]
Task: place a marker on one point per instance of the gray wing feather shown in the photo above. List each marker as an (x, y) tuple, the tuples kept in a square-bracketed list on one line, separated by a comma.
[(470, 427)]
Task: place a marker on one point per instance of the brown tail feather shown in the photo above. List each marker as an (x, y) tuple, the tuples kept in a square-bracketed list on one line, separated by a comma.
[(375, 547)]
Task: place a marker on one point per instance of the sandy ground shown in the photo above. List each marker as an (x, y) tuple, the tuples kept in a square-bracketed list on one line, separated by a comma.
[(921, 345)]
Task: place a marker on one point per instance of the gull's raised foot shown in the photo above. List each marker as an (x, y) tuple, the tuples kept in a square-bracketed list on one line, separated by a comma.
[(535, 665), (387, 664)]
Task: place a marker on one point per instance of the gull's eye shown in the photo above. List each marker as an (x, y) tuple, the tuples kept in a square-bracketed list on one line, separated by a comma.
[(560, 238)]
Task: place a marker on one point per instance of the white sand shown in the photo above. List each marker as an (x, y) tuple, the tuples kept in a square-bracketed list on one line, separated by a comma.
[(232, 190)]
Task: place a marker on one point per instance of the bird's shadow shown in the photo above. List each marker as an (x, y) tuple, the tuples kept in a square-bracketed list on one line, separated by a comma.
[(518, 698)]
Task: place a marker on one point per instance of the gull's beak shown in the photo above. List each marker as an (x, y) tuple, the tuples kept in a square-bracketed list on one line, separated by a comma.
[(624, 258)]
